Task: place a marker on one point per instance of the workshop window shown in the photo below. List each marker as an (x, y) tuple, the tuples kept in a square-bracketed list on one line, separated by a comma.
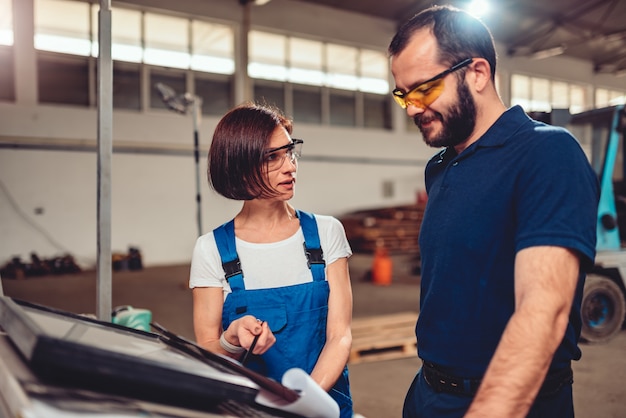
[(305, 62), (271, 93), (607, 97), (166, 41), (63, 26), (125, 34), (307, 104), (267, 56), (63, 79), (173, 79), (342, 108), (6, 22), (341, 67), (212, 48), (126, 86), (215, 92), (559, 95), (7, 75), (376, 111), (537, 94), (578, 99), (374, 72)]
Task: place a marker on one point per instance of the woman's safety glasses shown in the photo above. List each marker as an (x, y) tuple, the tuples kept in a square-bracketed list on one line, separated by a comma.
[(428, 91), (275, 158)]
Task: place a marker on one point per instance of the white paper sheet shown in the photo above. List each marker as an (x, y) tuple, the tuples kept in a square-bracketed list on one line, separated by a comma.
[(314, 402)]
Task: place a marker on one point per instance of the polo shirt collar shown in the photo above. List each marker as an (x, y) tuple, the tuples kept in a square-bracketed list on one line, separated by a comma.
[(504, 128)]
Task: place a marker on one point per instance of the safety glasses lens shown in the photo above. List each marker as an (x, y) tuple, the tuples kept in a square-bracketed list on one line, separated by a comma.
[(422, 95)]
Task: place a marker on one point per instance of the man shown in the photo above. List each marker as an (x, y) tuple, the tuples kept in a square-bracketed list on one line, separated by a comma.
[(508, 231)]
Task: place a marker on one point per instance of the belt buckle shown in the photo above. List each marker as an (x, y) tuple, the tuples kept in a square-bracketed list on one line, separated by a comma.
[(440, 382)]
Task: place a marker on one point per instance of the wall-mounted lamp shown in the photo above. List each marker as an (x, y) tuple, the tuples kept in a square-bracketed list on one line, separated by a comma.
[(181, 103)]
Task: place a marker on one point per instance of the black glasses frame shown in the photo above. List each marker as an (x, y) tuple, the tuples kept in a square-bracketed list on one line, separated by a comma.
[(455, 67), (288, 146)]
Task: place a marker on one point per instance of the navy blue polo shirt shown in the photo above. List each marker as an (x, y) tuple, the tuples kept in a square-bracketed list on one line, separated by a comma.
[(522, 184)]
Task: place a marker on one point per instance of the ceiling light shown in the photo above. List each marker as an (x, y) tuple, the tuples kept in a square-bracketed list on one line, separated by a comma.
[(547, 53), (254, 2), (478, 8)]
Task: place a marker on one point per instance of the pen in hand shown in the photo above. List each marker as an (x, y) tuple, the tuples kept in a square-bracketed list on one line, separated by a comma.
[(254, 341)]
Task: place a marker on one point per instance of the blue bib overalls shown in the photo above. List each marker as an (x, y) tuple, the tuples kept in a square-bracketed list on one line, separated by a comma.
[(296, 314)]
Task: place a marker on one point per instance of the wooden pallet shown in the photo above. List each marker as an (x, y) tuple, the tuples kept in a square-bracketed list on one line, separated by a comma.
[(383, 337), (396, 229)]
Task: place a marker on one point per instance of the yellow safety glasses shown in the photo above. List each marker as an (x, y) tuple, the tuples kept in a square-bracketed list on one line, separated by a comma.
[(428, 91)]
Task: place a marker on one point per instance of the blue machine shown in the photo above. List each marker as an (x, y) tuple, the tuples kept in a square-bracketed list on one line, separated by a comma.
[(604, 299)]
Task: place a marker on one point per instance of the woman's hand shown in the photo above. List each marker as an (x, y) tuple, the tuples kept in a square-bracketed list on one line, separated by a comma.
[(241, 332)]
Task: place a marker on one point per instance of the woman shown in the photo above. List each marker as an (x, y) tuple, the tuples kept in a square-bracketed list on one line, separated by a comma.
[(252, 277)]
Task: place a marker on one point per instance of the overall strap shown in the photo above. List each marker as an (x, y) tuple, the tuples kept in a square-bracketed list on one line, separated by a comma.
[(312, 246), (225, 240)]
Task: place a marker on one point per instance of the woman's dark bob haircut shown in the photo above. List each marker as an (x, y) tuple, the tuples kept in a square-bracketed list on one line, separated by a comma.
[(236, 167)]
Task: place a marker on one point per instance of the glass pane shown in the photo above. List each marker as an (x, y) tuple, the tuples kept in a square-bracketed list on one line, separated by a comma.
[(7, 77), (267, 71), (374, 64), (341, 59), (62, 26), (167, 41), (307, 105), (560, 98), (602, 97), (341, 63), (212, 48), (342, 110), (373, 85), (304, 53), (216, 95), (126, 87), (616, 97), (577, 94), (342, 81), (273, 94), (374, 69), (6, 22), (126, 35), (305, 62), (174, 81), (303, 76), (520, 91), (63, 80), (267, 48), (377, 112), (540, 95)]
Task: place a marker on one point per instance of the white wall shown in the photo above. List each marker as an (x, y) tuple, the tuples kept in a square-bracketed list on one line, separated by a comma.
[(153, 192)]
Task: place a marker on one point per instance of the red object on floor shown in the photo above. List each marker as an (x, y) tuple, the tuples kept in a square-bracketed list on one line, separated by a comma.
[(382, 268)]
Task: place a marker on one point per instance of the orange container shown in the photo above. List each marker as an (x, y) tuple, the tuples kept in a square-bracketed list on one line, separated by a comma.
[(382, 268)]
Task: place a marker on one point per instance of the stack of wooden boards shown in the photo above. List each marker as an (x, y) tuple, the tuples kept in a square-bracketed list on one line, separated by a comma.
[(394, 228), (383, 337)]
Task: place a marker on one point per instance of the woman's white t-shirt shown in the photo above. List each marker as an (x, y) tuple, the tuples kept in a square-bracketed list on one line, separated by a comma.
[(268, 265)]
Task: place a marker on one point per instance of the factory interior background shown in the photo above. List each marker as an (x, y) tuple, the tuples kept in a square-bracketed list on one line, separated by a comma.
[(325, 66)]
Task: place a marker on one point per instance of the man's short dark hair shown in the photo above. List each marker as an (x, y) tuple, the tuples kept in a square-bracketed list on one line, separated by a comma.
[(459, 35)]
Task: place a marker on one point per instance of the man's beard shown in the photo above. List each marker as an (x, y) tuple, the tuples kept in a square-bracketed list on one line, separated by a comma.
[(456, 125)]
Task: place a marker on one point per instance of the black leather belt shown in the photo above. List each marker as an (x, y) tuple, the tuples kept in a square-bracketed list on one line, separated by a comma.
[(443, 382)]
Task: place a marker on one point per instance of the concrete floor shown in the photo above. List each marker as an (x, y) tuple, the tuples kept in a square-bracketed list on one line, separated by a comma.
[(379, 387)]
